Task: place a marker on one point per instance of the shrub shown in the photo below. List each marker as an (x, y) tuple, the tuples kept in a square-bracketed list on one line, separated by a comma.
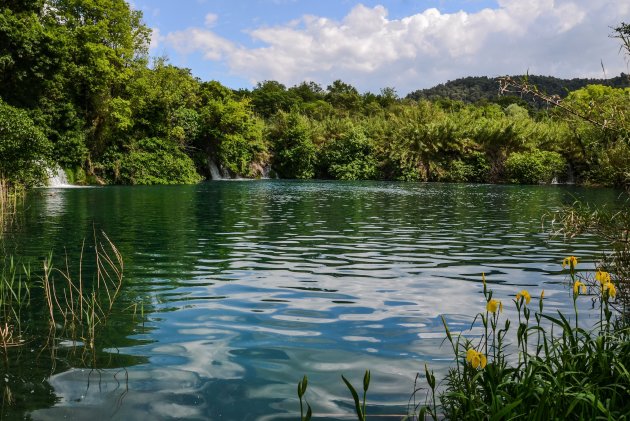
[(473, 168), (294, 151), (24, 150), (350, 157), (534, 167), (153, 161)]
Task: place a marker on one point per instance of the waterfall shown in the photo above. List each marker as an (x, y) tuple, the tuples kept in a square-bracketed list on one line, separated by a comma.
[(269, 173), (57, 178), (215, 174)]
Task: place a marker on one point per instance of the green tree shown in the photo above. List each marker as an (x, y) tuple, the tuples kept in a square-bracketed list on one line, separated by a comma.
[(164, 102), (294, 154), (232, 134), (343, 96), (24, 150), (349, 156), (535, 167), (269, 97), (308, 91), (152, 161), (106, 41)]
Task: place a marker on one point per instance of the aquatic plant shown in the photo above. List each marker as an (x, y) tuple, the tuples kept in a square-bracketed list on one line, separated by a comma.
[(81, 305), (302, 385), (568, 372), (358, 405), (14, 296), (76, 308)]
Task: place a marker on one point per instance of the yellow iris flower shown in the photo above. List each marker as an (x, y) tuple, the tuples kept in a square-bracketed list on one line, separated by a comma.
[(610, 288), (577, 286), (542, 294), (602, 277), (524, 294), (570, 261), (494, 305), (476, 359)]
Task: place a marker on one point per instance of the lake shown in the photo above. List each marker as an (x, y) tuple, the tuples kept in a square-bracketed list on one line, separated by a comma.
[(234, 290)]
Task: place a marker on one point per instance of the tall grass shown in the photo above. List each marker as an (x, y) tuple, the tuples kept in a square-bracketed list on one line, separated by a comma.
[(10, 196), (558, 369), (78, 306), (14, 297)]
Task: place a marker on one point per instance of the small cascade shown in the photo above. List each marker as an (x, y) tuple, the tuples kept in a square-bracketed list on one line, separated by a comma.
[(215, 174), (269, 173), (555, 180), (57, 178)]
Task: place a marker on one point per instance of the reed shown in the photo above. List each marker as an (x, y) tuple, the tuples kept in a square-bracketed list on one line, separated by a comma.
[(79, 308), (10, 196), (14, 297)]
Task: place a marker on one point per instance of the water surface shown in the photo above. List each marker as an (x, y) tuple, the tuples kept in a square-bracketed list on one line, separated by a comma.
[(247, 286)]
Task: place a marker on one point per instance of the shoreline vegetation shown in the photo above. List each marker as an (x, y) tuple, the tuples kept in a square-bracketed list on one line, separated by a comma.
[(78, 90)]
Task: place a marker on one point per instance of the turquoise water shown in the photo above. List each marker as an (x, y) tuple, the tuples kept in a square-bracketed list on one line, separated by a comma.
[(247, 286)]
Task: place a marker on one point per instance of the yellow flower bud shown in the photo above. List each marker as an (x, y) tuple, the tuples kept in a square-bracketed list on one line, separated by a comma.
[(577, 286), (570, 261), (525, 295), (494, 305)]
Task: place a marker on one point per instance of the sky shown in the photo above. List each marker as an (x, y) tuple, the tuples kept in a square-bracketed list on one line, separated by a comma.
[(403, 44)]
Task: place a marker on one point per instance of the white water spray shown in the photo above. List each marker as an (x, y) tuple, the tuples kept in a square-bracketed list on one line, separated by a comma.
[(57, 178), (215, 174)]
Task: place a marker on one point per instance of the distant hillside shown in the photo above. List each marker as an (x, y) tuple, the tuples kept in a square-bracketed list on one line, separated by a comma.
[(474, 89)]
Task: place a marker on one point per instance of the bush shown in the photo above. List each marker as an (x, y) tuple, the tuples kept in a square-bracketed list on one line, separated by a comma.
[(153, 161), (350, 157), (294, 151), (473, 168), (24, 150), (534, 167)]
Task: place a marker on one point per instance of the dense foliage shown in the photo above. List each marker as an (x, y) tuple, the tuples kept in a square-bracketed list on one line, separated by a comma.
[(77, 76), (24, 150), (481, 88)]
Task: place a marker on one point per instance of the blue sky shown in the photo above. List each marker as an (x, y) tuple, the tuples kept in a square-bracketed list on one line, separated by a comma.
[(405, 44)]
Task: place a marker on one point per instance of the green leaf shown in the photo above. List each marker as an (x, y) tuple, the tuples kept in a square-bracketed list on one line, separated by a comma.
[(355, 396), (309, 413)]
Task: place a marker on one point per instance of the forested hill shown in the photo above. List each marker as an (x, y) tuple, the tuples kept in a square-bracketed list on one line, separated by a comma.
[(473, 89)]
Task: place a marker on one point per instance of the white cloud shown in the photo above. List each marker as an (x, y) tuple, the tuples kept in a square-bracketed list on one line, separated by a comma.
[(560, 37), (155, 39), (211, 20), (191, 40)]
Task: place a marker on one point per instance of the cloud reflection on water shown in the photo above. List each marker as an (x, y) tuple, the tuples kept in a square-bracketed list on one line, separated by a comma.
[(253, 285)]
